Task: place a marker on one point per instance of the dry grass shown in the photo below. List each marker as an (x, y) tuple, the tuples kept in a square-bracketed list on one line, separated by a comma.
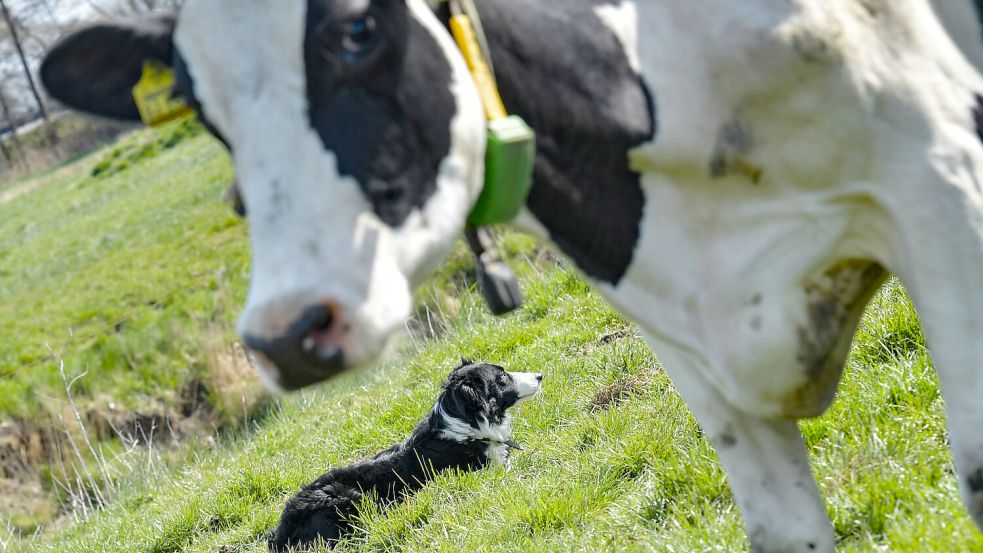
[(619, 391), (233, 388)]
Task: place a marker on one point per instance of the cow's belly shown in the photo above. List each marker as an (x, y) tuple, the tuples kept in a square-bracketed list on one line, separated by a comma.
[(761, 294)]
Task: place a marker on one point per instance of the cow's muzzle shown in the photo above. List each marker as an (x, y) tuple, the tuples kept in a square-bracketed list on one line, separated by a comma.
[(308, 352)]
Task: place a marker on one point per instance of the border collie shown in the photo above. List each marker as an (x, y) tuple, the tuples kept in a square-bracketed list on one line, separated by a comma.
[(467, 429)]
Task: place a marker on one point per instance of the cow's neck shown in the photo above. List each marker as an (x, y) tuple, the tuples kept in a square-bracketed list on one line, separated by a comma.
[(567, 74)]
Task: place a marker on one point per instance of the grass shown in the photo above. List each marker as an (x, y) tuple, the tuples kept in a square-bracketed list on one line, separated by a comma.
[(119, 271), (613, 460)]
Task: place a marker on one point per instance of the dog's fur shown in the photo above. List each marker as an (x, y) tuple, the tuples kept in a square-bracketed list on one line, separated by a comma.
[(467, 429)]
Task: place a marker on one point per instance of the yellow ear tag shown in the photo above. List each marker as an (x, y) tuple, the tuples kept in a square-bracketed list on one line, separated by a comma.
[(153, 95)]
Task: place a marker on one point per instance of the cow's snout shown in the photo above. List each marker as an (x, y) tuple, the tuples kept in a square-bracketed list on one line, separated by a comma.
[(307, 351)]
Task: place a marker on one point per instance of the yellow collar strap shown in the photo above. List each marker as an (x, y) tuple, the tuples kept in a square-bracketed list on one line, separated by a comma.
[(462, 24)]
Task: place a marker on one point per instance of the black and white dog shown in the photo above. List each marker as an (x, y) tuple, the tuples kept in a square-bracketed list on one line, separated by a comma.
[(467, 429)]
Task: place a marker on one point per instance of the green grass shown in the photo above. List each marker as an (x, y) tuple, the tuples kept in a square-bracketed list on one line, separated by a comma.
[(633, 474), (120, 273)]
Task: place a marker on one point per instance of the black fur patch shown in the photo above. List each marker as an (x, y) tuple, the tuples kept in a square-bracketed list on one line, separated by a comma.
[(978, 116), (567, 74), (976, 481), (385, 112)]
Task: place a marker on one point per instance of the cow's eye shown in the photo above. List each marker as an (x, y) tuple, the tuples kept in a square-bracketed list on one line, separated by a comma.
[(358, 35), (348, 40)]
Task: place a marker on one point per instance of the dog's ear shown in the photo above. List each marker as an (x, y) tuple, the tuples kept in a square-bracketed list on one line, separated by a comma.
[(472, 389), (466, 397)]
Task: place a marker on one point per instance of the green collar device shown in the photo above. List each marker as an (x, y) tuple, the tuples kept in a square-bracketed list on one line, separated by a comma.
[(510, 156)]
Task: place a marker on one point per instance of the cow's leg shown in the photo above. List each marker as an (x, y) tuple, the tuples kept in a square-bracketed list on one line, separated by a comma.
[(941, 263), (766, 462)]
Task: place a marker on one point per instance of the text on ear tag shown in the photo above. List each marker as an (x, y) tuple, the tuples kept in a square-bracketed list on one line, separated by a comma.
[(154, 98)]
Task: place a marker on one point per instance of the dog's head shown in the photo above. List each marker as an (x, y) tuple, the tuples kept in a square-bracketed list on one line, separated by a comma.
[(479, 394)]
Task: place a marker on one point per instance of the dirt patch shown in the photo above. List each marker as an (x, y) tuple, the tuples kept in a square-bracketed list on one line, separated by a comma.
[(39, 462), (616, 335), (21, 447), (619, 391), (23, 499)]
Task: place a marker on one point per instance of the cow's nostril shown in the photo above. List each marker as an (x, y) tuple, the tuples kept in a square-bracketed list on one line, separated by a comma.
[(321, 340), (319, 330), (309, 352)]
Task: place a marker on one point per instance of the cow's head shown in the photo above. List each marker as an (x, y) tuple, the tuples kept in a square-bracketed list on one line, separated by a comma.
[(358, 140)]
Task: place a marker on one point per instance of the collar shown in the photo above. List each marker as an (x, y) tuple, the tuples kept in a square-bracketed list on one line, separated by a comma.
[(507, 443)]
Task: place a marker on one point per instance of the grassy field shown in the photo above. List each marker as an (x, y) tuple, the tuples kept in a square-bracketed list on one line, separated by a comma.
[(128, 267), (100, 269), (612, 460)]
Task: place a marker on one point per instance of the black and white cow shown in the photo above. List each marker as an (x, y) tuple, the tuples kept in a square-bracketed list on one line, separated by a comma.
[(737, 177)]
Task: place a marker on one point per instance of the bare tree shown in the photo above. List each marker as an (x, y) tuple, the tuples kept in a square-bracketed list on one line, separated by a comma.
[(97, 8), (10, 122), (111, 8), (15, 37)]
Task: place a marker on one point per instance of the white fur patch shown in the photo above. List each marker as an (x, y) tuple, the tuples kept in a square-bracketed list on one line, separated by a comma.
[(460, 431), (454, 428), (528, 384), (622, 19)]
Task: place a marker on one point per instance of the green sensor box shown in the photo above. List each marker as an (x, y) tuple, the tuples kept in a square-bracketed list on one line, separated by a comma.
[(509, 161)]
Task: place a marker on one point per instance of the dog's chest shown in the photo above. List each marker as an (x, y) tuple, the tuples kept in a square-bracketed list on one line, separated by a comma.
[(498, 454)]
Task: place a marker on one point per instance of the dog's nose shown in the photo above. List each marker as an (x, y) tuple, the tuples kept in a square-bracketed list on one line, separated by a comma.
[(308, 352), (539, 378)]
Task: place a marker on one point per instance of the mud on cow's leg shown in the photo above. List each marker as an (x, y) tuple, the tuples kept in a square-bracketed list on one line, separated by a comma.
[(767, 466), (941, 264)]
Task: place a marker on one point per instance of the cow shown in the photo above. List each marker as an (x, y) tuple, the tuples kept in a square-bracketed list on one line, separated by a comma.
[(738, 178)]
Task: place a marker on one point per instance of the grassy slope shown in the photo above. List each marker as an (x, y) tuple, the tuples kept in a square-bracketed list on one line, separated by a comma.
[(120, 274), (636, 476)]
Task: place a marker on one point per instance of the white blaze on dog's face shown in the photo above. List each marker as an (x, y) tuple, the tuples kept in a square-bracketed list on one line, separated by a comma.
[(527, 384), (358, 140)]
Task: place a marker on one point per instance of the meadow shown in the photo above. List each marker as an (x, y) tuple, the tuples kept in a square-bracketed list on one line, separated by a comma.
[(127, 270)]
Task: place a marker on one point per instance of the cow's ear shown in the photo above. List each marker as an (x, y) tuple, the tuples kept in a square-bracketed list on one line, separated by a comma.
[(95, 69)]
